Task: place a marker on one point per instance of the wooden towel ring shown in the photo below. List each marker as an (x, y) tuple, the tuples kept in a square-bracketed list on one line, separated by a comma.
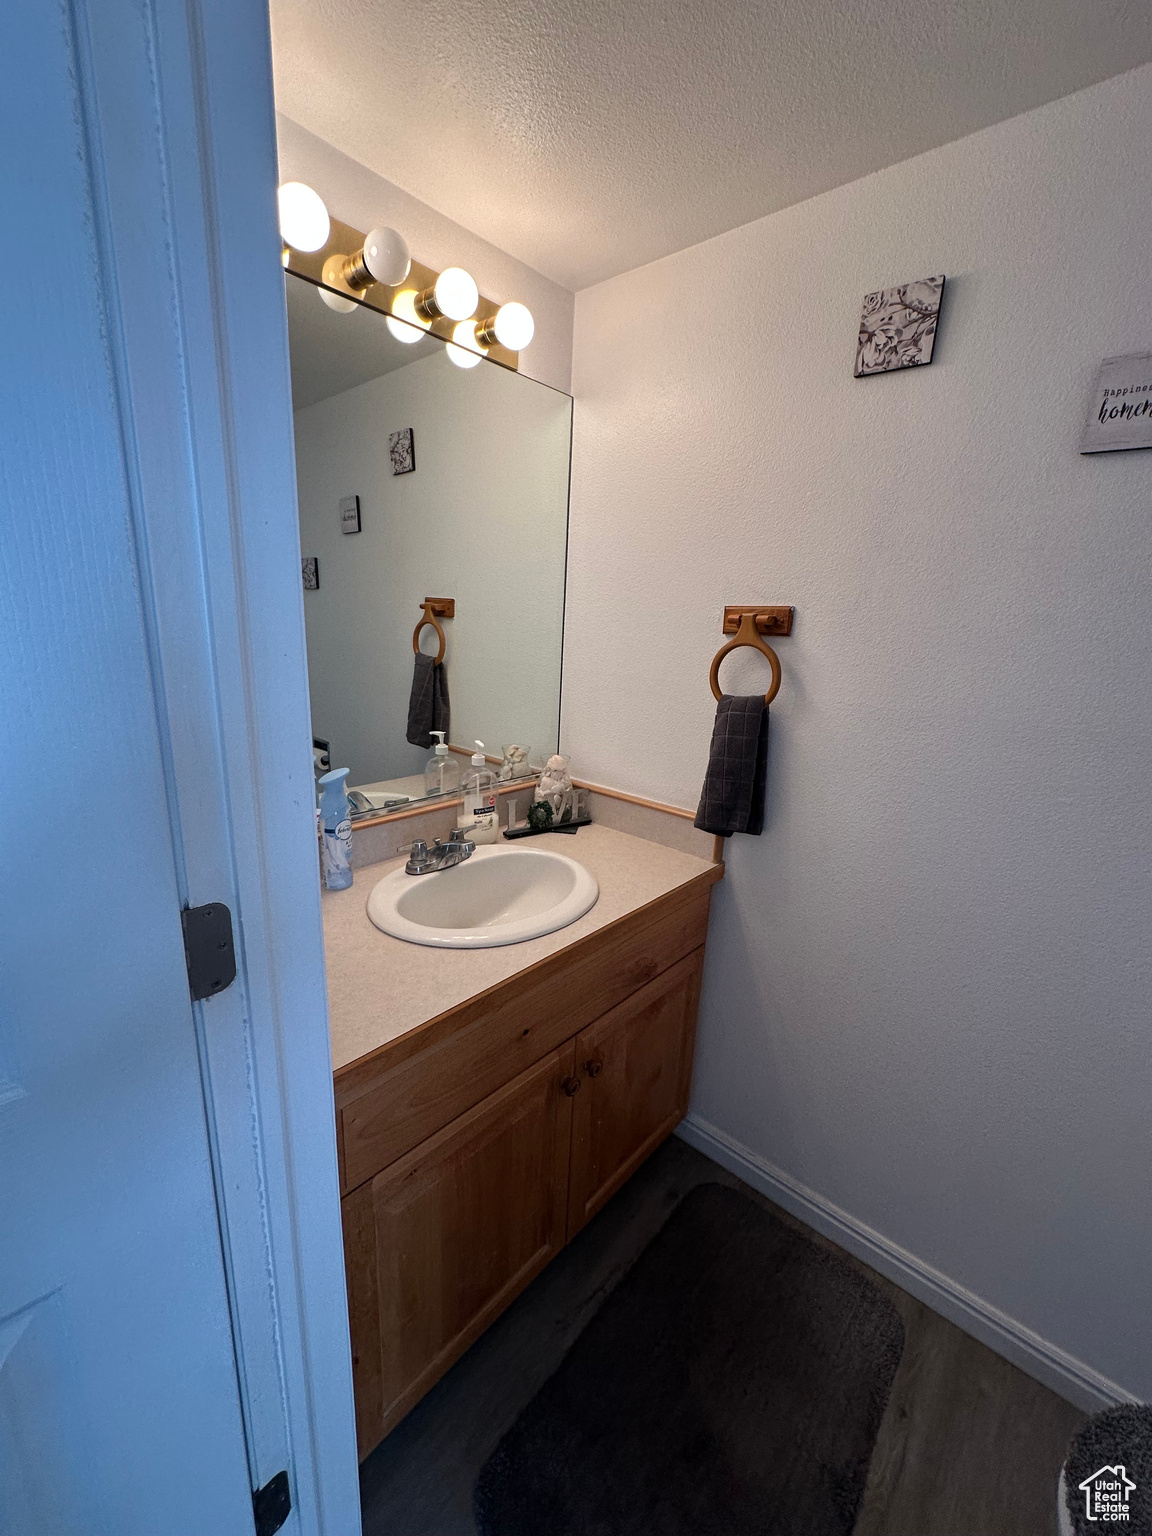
[(746, 635), (445, 607)]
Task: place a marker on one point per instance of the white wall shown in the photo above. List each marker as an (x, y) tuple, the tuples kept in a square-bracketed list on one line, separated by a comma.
[(483, 519), (927, 992), (359, 197)]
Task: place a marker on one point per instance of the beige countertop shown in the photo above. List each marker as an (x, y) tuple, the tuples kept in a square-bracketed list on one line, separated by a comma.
[(379, 987)]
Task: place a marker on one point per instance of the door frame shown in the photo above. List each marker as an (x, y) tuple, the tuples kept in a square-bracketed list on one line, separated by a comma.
[(179, 121)]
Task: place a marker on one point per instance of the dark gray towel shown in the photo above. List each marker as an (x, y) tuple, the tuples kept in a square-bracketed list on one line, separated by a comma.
[(732, 799), (428, 705)]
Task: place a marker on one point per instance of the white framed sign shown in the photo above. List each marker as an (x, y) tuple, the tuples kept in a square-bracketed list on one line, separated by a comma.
[(1120, 405)]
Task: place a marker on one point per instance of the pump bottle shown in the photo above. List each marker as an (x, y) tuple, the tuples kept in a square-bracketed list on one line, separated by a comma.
[(442, 772), (480, 799)]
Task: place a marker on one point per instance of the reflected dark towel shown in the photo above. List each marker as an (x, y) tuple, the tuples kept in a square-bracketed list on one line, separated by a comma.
[(732, 799), (428, 705)]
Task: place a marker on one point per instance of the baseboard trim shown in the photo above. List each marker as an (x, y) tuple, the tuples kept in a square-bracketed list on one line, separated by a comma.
[(1043, 1361)]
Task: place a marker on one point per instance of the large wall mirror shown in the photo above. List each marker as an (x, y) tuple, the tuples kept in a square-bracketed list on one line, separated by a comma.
[(422, 479)]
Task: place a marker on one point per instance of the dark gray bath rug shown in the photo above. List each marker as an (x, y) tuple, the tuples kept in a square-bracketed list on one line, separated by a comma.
[(732, 1385), (1108, 1474)]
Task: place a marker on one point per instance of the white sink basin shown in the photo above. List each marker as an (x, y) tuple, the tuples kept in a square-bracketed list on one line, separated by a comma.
[(498, 896)]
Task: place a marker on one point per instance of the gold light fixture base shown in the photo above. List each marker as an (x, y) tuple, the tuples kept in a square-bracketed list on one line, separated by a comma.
[(425, 304), (378, 296), (354, 272)]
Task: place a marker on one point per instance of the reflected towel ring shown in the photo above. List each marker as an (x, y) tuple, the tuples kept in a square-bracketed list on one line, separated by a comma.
[(445, 607), (746, 635)]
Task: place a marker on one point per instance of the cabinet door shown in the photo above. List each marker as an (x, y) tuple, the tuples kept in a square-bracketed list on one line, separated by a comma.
[(635, 1067), (440, 1242)]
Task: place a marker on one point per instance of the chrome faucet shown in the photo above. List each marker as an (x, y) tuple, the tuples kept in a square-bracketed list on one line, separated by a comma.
[(423, 860)]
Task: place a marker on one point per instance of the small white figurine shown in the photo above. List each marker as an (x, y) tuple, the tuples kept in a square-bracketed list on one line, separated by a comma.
[(555, 787)]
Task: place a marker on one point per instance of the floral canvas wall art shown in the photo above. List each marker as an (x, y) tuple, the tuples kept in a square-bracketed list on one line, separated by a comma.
[(898, 326), (402, 451)]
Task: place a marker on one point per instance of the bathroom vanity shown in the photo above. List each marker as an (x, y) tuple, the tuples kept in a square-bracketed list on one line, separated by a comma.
[(490, 1101)]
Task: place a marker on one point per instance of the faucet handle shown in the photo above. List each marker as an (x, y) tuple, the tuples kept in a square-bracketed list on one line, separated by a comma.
[(419, 859)]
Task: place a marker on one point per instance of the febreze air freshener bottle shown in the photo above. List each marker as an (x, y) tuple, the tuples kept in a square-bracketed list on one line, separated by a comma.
[(335, 830)]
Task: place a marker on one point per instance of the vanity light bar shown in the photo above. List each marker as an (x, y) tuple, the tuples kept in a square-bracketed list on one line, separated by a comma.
[(376, 270)]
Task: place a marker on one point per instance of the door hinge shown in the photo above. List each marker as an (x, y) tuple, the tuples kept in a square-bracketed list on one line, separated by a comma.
[(272, 1504), (209, 950)]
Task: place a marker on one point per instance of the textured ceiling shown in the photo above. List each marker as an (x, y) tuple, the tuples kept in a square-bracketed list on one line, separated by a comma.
[(586, 137)]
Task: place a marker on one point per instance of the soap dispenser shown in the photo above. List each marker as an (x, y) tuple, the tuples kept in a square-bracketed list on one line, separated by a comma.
[(335, 830), (442, 773), (480, 799)]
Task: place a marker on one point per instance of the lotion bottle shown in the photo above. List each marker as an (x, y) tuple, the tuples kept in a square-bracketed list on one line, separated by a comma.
[(480, 799), (335, 830)]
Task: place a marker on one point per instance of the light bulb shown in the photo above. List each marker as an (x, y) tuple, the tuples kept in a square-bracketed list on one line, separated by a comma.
[(464, 350), (514, 326), (304, 219), (456, 294), (404, 323), (386, 256)]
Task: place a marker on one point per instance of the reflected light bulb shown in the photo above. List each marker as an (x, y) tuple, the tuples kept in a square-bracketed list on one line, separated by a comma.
[(514, 326), (464, 350), (456, 294), (304, 219), (386, 256), (404, 323), (339, 301)]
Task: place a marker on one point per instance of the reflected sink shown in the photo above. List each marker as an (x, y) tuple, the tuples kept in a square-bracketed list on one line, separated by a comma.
[(498, 896)]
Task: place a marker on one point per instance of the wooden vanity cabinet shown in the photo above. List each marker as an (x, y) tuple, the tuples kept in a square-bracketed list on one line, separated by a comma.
[(438, 1244), (451, 1228), (636, 1067)]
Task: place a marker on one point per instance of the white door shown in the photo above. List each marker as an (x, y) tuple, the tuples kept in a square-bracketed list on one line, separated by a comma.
[(119, 1406), (171, 1315)]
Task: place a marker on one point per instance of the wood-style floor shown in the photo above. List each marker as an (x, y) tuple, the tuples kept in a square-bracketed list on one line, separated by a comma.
[(969, 1445)]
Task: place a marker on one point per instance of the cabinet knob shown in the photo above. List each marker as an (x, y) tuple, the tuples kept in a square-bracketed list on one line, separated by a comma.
[(571, 1086), (594, 1066)]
